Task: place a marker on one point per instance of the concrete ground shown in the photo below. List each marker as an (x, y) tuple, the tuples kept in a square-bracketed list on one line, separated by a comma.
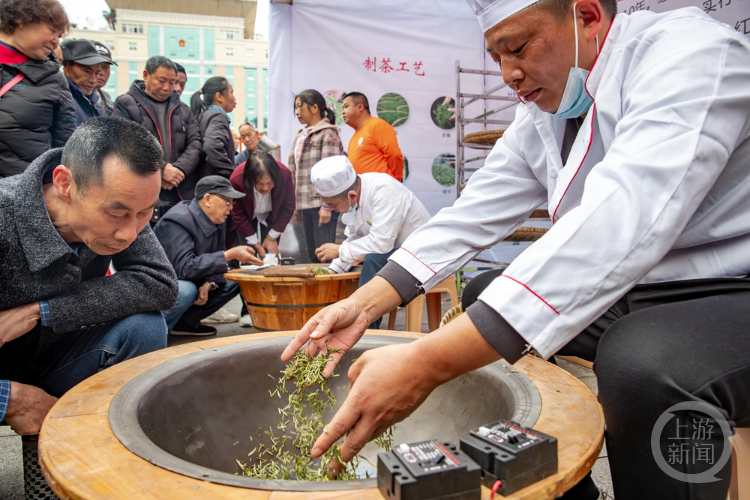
[(11, 469)]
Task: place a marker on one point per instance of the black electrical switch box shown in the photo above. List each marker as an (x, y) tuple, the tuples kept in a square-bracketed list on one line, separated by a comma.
[(428, 470), (515, 455)]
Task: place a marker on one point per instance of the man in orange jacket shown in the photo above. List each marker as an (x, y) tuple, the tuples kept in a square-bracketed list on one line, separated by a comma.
[(374, 146)]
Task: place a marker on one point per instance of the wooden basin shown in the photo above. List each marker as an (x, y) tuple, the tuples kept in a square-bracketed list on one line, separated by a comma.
[(277, 304), (82, 458)]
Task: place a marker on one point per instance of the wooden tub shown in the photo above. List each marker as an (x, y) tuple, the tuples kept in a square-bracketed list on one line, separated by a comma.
[(82, 458), (277, 304)]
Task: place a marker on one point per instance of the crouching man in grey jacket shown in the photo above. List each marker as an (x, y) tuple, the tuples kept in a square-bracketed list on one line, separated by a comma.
[(62, 222)]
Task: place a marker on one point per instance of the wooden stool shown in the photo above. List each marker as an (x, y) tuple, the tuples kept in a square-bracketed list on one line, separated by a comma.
[(739, 488), (415, 308)]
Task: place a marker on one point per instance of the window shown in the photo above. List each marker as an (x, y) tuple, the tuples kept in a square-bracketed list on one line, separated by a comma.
[(132, 28), (229, 51), (249, 53), (110, 45), (132, 45), (229, 35)]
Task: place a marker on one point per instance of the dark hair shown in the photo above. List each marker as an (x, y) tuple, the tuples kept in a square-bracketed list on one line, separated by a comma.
[(156, 62), (561, 8), (180, 68), (258, 164), (100, 138), (15, 13), (357, 98), (312, 97), (213, 85)]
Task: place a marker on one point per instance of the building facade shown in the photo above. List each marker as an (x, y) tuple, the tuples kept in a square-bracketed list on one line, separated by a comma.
[(206, 46)]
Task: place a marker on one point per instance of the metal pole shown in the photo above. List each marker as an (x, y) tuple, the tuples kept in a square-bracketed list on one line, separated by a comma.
[(459, 130)]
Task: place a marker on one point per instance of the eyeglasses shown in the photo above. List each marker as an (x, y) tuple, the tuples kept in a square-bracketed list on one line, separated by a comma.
[(230, 203)]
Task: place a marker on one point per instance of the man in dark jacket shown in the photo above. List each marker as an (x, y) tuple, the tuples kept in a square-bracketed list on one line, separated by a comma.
[(106, 105), (153, 103), (193, 234), (250, 138), (36, 114), (65, 219), (81, 62)]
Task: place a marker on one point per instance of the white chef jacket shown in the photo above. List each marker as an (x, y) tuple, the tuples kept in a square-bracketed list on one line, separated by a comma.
[(388, 213), (656, 187)]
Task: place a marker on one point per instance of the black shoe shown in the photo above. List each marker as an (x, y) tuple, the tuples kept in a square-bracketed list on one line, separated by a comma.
[(184, 329), (584, 490)]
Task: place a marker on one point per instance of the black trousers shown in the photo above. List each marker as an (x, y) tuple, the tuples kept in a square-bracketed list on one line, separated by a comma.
[(659, 346), (315, 235)]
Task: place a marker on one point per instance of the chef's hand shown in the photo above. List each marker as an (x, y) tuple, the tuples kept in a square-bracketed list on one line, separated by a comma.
[(324, 216), (403, 380), (327, 252), (244, 254), (346, 320), (203, 294), (18, 321), (27, 407), (342, 324), (387, 384), (271, 246), (298, 215)]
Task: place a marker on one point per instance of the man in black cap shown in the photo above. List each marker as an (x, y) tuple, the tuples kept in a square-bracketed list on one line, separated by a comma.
[(105, 105), (81, 62), (193, 234)]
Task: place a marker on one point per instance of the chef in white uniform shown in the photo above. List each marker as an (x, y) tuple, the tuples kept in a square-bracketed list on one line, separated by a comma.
[(379, 213), (635, 130)]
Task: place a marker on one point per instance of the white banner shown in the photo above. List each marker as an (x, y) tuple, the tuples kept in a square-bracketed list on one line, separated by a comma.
[(401, 55), (735, 13)]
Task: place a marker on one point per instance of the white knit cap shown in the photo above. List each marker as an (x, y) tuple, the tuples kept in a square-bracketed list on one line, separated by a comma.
[(333, 175), (492, 12)]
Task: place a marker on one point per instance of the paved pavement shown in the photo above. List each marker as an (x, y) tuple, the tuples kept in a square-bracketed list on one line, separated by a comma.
[(11, 469)]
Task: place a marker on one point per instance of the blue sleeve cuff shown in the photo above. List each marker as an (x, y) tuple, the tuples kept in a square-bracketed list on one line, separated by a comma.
[(4, 397), (46, 315)]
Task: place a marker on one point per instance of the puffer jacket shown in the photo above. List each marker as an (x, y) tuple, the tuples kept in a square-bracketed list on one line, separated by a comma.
[(36, 115), (218, 144), (183, 135)]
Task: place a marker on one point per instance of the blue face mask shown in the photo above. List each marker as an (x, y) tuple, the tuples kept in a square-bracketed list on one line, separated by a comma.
[(576, 101), (354, 209)]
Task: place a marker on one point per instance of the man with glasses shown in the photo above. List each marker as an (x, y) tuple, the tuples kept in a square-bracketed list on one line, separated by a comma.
[(193, 234)]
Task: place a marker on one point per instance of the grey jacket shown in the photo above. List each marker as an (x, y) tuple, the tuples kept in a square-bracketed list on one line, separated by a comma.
[(38, 265)]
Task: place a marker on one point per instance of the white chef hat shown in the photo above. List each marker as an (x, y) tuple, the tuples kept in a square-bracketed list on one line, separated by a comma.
[(333, 175), (492, 12)]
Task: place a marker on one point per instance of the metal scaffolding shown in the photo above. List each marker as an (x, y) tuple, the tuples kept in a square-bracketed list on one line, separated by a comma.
[(488, 98)]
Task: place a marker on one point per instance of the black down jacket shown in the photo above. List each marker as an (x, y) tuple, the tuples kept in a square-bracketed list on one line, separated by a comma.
[(183, 135), (218, 144), (36, 115)]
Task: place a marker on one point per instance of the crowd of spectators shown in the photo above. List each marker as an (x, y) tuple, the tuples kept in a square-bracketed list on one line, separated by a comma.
[(49, 88)]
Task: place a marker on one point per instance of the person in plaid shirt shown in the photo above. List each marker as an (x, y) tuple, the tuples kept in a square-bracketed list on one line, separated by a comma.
[(319, 139)]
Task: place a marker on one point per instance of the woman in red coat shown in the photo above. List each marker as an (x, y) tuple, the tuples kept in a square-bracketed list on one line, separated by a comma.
[(262, 215)]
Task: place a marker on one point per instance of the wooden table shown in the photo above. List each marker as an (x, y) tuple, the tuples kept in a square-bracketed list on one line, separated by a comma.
[(83, 460), (277, 304)]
